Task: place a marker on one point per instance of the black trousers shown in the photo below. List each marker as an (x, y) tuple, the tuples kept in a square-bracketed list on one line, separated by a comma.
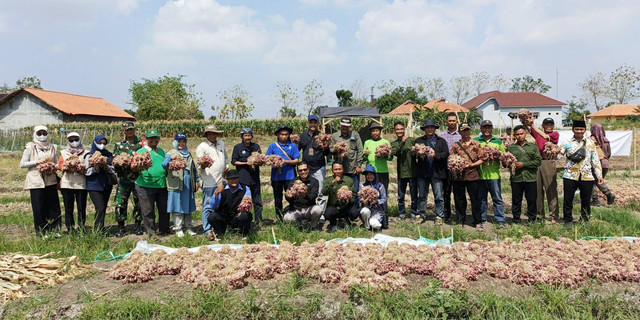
[(530, 191), (569, 187), (460, 200), (46, 209), (332, 214), (219, 223), (150, 199), (279, 187), (256, 197), (100, 201), (77, 197), (446, 190)]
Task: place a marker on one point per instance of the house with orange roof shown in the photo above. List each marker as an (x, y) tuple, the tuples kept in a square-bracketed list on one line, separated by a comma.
[(27, 107), (496, 106), (409, 107), (614, 112)]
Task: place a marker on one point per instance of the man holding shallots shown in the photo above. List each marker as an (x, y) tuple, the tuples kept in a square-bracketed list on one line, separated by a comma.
[(547, 175), (301, 195), (225, 207), (351, 159), (431, 169), (127, 180), (490, 174), (282, 175), (212, 177), (341, 195), (525, 176), (377, 151), (406, 169)]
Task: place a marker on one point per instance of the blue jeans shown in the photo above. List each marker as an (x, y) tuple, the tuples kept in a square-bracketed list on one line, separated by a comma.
[(493, 187), (207, 194), (423, 189), (413, 191)]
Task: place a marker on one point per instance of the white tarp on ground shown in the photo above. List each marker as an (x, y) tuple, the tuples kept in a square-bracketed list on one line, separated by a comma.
[(621, 141)]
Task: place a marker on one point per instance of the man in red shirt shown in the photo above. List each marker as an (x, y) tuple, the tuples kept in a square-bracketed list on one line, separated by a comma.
[(547, 181)]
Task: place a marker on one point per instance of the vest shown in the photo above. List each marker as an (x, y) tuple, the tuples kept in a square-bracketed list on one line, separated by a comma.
[(229, 203), (175, 179), (72, 180), (34, 179)]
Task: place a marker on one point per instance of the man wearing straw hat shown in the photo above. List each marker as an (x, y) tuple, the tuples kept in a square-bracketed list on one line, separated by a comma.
[(211, 177)]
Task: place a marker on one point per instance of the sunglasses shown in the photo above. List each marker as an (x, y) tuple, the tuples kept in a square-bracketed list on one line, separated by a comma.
[(73, 139), (40, 134), (303, 170)]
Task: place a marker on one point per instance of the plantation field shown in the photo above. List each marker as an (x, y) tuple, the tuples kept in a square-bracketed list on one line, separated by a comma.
[(291, 295)]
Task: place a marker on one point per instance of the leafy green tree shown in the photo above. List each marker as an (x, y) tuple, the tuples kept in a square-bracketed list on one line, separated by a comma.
[(130, 111), (576, 110), (236, 104), (396, 97), (288, 98), (345, 98), (167, 98), (528, 84), (472, 117), (313, 93), (460, 88), (286, 112), (24, 82), (436, 114)]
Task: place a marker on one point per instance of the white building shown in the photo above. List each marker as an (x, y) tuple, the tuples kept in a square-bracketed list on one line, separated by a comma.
[(496, 106)]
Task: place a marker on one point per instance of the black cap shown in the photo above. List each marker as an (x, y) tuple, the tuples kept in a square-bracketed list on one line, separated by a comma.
[(429, 123), (579, 124), (375, 125), (548, 120), (233, 174), (486, 123), (280, 128)]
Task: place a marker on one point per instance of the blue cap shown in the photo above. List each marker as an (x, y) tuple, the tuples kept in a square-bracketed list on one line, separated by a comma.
[(246, 131), (313, 117), (179, 136)]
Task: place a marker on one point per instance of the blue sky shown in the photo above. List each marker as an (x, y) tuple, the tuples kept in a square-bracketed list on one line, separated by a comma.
[(96, 47)]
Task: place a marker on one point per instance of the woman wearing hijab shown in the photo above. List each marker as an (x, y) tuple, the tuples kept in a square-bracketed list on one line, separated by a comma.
[(181, 185), (373, 214), (73, 184), (598, 135), (98, 181), (42, 187)]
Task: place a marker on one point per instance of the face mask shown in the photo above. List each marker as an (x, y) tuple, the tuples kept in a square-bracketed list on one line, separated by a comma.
[(74, 144), (100, 146), (42, 138)]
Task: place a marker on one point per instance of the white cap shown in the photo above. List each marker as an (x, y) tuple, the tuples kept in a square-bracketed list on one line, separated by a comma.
[(73, 134), (39, 128)]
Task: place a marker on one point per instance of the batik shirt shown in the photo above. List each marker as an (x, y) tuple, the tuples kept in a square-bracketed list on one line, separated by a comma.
[(584, 169)]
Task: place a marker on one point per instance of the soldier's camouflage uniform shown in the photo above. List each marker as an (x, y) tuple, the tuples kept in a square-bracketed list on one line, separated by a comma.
[(126, 182)]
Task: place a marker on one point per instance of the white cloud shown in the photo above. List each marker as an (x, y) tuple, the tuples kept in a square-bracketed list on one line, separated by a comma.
[(127, 6)]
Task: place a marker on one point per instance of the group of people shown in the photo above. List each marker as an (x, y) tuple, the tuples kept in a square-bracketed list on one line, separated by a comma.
[(303, 164)]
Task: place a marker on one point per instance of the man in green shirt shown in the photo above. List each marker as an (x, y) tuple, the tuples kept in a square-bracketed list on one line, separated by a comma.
[(490, 176), (526, 174), (151, 186), (126, 181), (401, 148), (336, 208), (380, 164)]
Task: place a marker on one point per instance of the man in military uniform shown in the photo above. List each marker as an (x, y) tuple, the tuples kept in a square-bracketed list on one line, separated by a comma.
[(126, 181)]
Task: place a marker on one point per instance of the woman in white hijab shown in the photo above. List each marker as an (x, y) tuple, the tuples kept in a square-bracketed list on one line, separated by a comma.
[(44, 196)]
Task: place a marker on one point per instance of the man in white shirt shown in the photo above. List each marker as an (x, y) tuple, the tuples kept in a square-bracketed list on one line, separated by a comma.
[(212, 177)]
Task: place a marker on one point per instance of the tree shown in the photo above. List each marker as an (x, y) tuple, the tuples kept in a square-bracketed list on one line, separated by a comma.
[(130, 111), (29, 82), (360, 95), (288, 97), (345, 98), (167, 98), (460, 89), (4, 88), (472, 117), (480, 81), (236, 104), (499, 83), (385, 86), (576, 110), (434, 88), (398, 96), (286, 112), (528, 84), (624, 84), (595, 87), (435, 114), (313, 93)]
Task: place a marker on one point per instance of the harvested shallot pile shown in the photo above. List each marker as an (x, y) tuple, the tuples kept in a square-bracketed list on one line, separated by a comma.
[(341, 148), (256, 159), (323, 140), (525, 116), (551, 150), (490, 153), (295, 138), (298, 189), (625, 193), (46, 166), (422, 151), (74, 164), (383, 151), (274, 161), (457, 164), (245, 205), (122, 160), (508, 160), (177, 163), (344, 194), (97, 160), (204, 162), (528, 262), (141, 161), (368, 196)]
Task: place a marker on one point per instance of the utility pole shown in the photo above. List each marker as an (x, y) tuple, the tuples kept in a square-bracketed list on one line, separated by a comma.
[(556, 83), (371, 102)]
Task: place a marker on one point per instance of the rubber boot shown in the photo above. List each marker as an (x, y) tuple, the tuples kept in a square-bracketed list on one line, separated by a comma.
[(121, 229), (138, 229)]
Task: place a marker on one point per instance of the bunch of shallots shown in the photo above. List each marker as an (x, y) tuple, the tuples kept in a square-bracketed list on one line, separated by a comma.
[(46, 166), (341, 148), (551, 150), (74, 164), (97, 160), (383, 151), (422, 151), (256, 159), (204, 162), (323, 140), (177, 163), (141, 161), (344, 194), (245, 205), (274, 161), (368, 196), (295, 138), (525, 116), (490, 153), (457, 164), (297, 189), (508, 160), (122, 160)]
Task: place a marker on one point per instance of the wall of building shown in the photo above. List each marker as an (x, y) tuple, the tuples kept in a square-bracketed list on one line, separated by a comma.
[(500, 116), (603, 120), (26, 110)]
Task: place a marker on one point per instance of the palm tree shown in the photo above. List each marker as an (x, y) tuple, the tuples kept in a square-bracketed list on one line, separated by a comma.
[(438, 116)]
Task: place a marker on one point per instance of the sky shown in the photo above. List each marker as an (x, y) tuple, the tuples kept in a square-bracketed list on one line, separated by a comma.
[(97, 47)]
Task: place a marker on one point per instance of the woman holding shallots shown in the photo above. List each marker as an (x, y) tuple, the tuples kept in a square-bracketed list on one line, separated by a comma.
[(39, 157), (372, 210), (98, 163), (182, 184), (73, 184)]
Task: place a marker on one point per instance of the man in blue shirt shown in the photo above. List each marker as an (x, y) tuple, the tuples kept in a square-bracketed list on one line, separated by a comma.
[(281, 178), (225, 204)]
